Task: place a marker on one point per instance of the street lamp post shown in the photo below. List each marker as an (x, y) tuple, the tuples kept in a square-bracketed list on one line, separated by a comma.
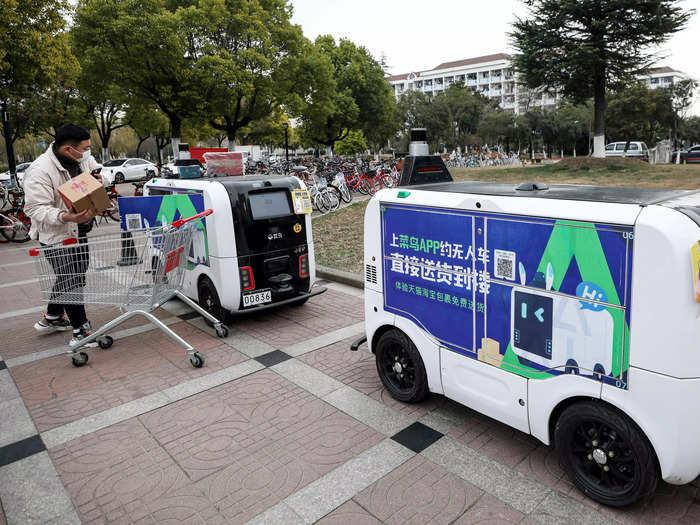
[(286, 145)]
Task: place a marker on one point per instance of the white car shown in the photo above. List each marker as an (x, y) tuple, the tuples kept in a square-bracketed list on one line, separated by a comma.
[(117, 171), (21, 168), (635, 149)]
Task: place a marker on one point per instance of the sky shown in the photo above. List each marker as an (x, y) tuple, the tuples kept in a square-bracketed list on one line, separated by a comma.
[(416, 35)]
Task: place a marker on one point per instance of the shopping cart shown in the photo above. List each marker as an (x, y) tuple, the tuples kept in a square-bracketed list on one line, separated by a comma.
[(137, 271)]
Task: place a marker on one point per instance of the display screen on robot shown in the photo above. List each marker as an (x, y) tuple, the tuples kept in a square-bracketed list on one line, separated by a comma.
[(532, 324)]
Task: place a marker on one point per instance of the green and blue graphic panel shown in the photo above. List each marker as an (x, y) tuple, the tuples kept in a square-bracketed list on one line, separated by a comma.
[(536, 297), (156, 210)]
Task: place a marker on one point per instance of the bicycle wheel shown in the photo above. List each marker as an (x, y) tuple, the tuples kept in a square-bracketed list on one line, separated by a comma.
[(113, 212), (320, 203), (19, 224), (346, 194), (388, 181), (332, 200)]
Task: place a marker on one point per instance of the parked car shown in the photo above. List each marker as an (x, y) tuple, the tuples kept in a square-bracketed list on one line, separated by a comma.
[(172, 169), (21, 168), (635, 149), (692, 154), (116, 171)]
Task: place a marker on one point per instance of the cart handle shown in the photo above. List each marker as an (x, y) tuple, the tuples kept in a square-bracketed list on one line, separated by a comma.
[(180, 222)]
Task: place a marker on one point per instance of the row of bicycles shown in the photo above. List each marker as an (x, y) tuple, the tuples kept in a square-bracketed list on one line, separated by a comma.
[(483, 160), (332, 182)]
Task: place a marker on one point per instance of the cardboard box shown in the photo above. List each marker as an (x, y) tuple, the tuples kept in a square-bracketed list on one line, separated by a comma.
[(84, 192)]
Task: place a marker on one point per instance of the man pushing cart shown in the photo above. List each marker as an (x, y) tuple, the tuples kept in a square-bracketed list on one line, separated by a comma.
[(87, 272)]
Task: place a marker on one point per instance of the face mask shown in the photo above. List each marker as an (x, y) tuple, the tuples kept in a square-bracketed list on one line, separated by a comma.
[(84, 155)]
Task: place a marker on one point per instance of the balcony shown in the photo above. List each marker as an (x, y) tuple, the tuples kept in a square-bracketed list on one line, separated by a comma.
[(508, 105), (495, 92), (471, 82)]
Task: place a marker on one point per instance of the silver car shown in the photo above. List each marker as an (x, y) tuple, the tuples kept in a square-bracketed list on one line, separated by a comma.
[(635, 149)]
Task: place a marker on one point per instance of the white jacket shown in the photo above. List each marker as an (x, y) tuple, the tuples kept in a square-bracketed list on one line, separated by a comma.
[(42, 202)]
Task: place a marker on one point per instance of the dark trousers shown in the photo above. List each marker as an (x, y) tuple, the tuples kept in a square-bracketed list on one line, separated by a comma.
[(69, 264)]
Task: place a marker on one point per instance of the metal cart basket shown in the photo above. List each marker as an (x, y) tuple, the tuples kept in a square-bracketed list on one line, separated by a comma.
[(137, 271)]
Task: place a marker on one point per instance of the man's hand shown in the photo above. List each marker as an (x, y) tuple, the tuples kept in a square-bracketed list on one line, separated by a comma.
[(83, 216)]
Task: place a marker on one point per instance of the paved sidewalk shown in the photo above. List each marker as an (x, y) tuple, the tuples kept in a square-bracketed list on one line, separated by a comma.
[(283, 425)]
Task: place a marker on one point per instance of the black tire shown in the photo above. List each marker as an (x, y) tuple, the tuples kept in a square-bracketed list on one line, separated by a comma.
[(400, 367), (222, 331), (119, 178), (150, 174), (105, 342), (605, 454), (79, 359), (208, 298), (113, 212)]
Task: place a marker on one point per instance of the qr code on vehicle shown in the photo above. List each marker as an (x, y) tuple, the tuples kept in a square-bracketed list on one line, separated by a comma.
[(504, 265), (133, 221)]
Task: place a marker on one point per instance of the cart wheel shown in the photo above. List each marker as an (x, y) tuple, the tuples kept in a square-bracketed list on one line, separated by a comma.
[(222, 331), (197, 360), (105, 342), (80, 359)]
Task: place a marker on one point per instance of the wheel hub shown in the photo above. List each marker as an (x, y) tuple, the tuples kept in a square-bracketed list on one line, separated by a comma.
[(600, 456), (398, 368)]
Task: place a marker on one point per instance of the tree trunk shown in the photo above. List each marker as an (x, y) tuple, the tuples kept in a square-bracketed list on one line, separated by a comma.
[(176, 128), (231, 146), (105, 154), (9, 144), (599, 116)]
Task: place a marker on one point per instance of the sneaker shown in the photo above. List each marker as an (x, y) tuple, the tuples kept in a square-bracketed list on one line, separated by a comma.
[(80, 334), (47, 324)]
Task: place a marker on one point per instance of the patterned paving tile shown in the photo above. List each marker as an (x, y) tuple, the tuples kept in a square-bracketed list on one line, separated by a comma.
[(355, 369), (418, 492), (121, 475), (227, 424), (496, 440), (349, 512), (288, 326), (56, 392), (489, 510)]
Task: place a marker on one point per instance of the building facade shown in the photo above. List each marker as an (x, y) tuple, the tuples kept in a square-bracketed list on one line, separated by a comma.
[(493, 76)]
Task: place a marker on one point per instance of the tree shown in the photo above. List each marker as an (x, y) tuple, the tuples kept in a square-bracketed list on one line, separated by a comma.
[(150, 47), (31, 44), (251, 60), (103, 98), (582, 47), (640, 113), (359, 96), (353, 143), (148, 121), (689, 130)]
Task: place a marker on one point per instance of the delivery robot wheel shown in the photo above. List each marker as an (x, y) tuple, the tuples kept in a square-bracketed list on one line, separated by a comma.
[(197, 360), (105, 342), (400, 367), (79, 359), (221, 331), (605, 454)]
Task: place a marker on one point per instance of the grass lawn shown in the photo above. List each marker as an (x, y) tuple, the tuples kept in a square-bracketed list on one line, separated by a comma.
[(338, 237)]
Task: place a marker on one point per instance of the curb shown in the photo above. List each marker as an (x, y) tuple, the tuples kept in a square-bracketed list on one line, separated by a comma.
[(339, 276)]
